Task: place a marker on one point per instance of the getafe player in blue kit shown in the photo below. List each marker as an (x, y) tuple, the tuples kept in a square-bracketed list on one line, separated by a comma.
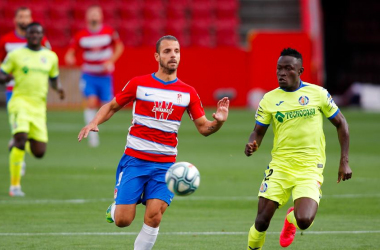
[(296, 111)]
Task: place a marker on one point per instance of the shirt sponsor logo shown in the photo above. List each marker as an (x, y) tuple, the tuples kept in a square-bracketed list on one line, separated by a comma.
[(303, 100), (306, 113), (162, 110)]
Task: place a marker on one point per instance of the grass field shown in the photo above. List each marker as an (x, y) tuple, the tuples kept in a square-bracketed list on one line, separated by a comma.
[(69, 190)]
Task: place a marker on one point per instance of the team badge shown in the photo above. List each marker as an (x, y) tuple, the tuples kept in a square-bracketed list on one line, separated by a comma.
[(179, 98), (43, 59), (263, 187), (115, 193), (303, 100)]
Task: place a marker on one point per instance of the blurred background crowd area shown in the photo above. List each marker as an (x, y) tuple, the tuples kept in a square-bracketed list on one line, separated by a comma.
[(229, 47)]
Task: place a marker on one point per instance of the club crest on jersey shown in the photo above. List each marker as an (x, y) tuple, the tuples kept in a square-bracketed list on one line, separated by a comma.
[(303, 100), (43, 60), (162, 110), (179, 98)]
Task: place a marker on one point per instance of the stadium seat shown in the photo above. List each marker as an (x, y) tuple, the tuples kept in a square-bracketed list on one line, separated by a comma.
[(152, 31), (201, 33), (130, 11), (6, 26), (202, 10), (176, 12), (227, 32), (58, 36), (63, 12), (180, 29), (130, 33), (227, 9), (154, 9)]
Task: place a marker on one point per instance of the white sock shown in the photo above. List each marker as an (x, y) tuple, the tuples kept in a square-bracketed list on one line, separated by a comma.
[(146, 238), (113, 207), (93, 137)]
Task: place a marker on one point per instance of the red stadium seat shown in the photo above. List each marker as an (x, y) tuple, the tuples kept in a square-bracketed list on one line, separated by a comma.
[(227, 9), (201, 33), (227, 32), (58, 36), (130, 11), (63, 12), (176, 12), (180, 29), (152, 31), (202, 10), (130, 33), (154, 10), (6, 26)]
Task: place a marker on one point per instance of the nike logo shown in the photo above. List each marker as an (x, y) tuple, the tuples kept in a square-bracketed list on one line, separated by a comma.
[(278, 104), (146, 94), (256, 248)]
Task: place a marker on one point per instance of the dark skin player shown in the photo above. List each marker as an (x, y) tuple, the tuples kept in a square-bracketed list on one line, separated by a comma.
[(289, 70)]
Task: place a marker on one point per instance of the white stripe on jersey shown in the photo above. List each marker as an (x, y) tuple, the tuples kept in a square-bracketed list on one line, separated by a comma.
[(95, 41), (12, 46), (148, 146), (153, 94), (93, 68), (151, 122), (100, 55)]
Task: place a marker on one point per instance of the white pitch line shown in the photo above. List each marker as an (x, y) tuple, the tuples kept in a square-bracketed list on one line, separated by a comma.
[(177, 233), (178, 198)]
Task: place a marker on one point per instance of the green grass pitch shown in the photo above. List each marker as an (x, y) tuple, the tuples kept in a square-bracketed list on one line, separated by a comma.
[(69, 190)]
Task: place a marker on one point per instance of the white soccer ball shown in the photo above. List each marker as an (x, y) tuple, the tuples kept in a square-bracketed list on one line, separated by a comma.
[(182, 178)]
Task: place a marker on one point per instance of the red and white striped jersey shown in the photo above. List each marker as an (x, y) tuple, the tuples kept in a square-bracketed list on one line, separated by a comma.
[(12, 41), (96, 48), (158, 108)]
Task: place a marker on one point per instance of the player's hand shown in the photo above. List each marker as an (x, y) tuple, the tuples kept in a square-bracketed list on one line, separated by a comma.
[(86, 130), (61, 94), (109, 66), (345, 172), (250, 148), (70, 60), (221, 113)]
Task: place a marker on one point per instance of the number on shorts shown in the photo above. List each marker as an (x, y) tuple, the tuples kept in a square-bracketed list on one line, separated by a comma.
[(120, 176), (270, 173)]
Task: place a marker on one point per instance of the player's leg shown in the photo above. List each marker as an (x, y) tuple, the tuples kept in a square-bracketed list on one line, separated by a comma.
[(38, 135), (265, 212), (155, 208), (88, 87), (123, 215), (304, 213), (37, 148), (16, 158)]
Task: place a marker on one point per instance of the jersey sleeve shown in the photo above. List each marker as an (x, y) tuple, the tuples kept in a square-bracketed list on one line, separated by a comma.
[(127, 94), (195, 108), (328, 106), (8, 65), (263, 116), (54, 71)]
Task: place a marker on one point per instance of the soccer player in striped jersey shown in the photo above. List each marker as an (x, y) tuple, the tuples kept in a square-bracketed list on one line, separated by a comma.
[(159, 101), (100, 47), (296, 111)]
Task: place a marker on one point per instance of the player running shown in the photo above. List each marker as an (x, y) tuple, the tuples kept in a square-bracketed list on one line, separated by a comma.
[(159, 101), (100, 47), (296, 111), (31, 67)]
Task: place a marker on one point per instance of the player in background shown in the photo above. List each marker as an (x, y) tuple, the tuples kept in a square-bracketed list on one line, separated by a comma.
[(159, 101), (296, 111), (14, 40), (32, 67), (100, 47)]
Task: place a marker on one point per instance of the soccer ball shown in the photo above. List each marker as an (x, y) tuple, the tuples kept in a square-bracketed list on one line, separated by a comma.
[(182, 178)]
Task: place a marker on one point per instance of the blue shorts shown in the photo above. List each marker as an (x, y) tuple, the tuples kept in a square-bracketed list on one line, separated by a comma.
[(138, 181), (99, 86), (8, 95)]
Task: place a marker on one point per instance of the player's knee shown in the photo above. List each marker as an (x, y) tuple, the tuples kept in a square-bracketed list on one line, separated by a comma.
[(153, 219), (123, 222), (39, 154), (261, 224), (304, 222)]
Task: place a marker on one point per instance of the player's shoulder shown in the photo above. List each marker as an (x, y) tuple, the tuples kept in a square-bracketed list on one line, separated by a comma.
[(312, 86)]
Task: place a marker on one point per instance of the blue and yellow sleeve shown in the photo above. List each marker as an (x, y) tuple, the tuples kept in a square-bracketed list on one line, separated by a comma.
[(328, 106), (263, 117)]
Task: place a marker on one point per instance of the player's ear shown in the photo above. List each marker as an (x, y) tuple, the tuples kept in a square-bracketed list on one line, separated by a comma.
[(300, 71), (157, 56)]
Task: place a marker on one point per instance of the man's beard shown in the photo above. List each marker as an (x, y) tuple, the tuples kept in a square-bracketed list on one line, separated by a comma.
[(166, 69), (22, 26)]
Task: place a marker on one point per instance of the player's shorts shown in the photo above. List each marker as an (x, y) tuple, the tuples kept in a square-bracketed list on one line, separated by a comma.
[(99, 86), (8, 95), (32, 124), (278, 185), (139, 180)]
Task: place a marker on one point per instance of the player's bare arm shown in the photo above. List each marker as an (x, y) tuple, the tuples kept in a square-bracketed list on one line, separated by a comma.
[(56, 85), (255, 139), (206, 127), (341, 125), (104, 113), (4, 78), (70, 57)]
